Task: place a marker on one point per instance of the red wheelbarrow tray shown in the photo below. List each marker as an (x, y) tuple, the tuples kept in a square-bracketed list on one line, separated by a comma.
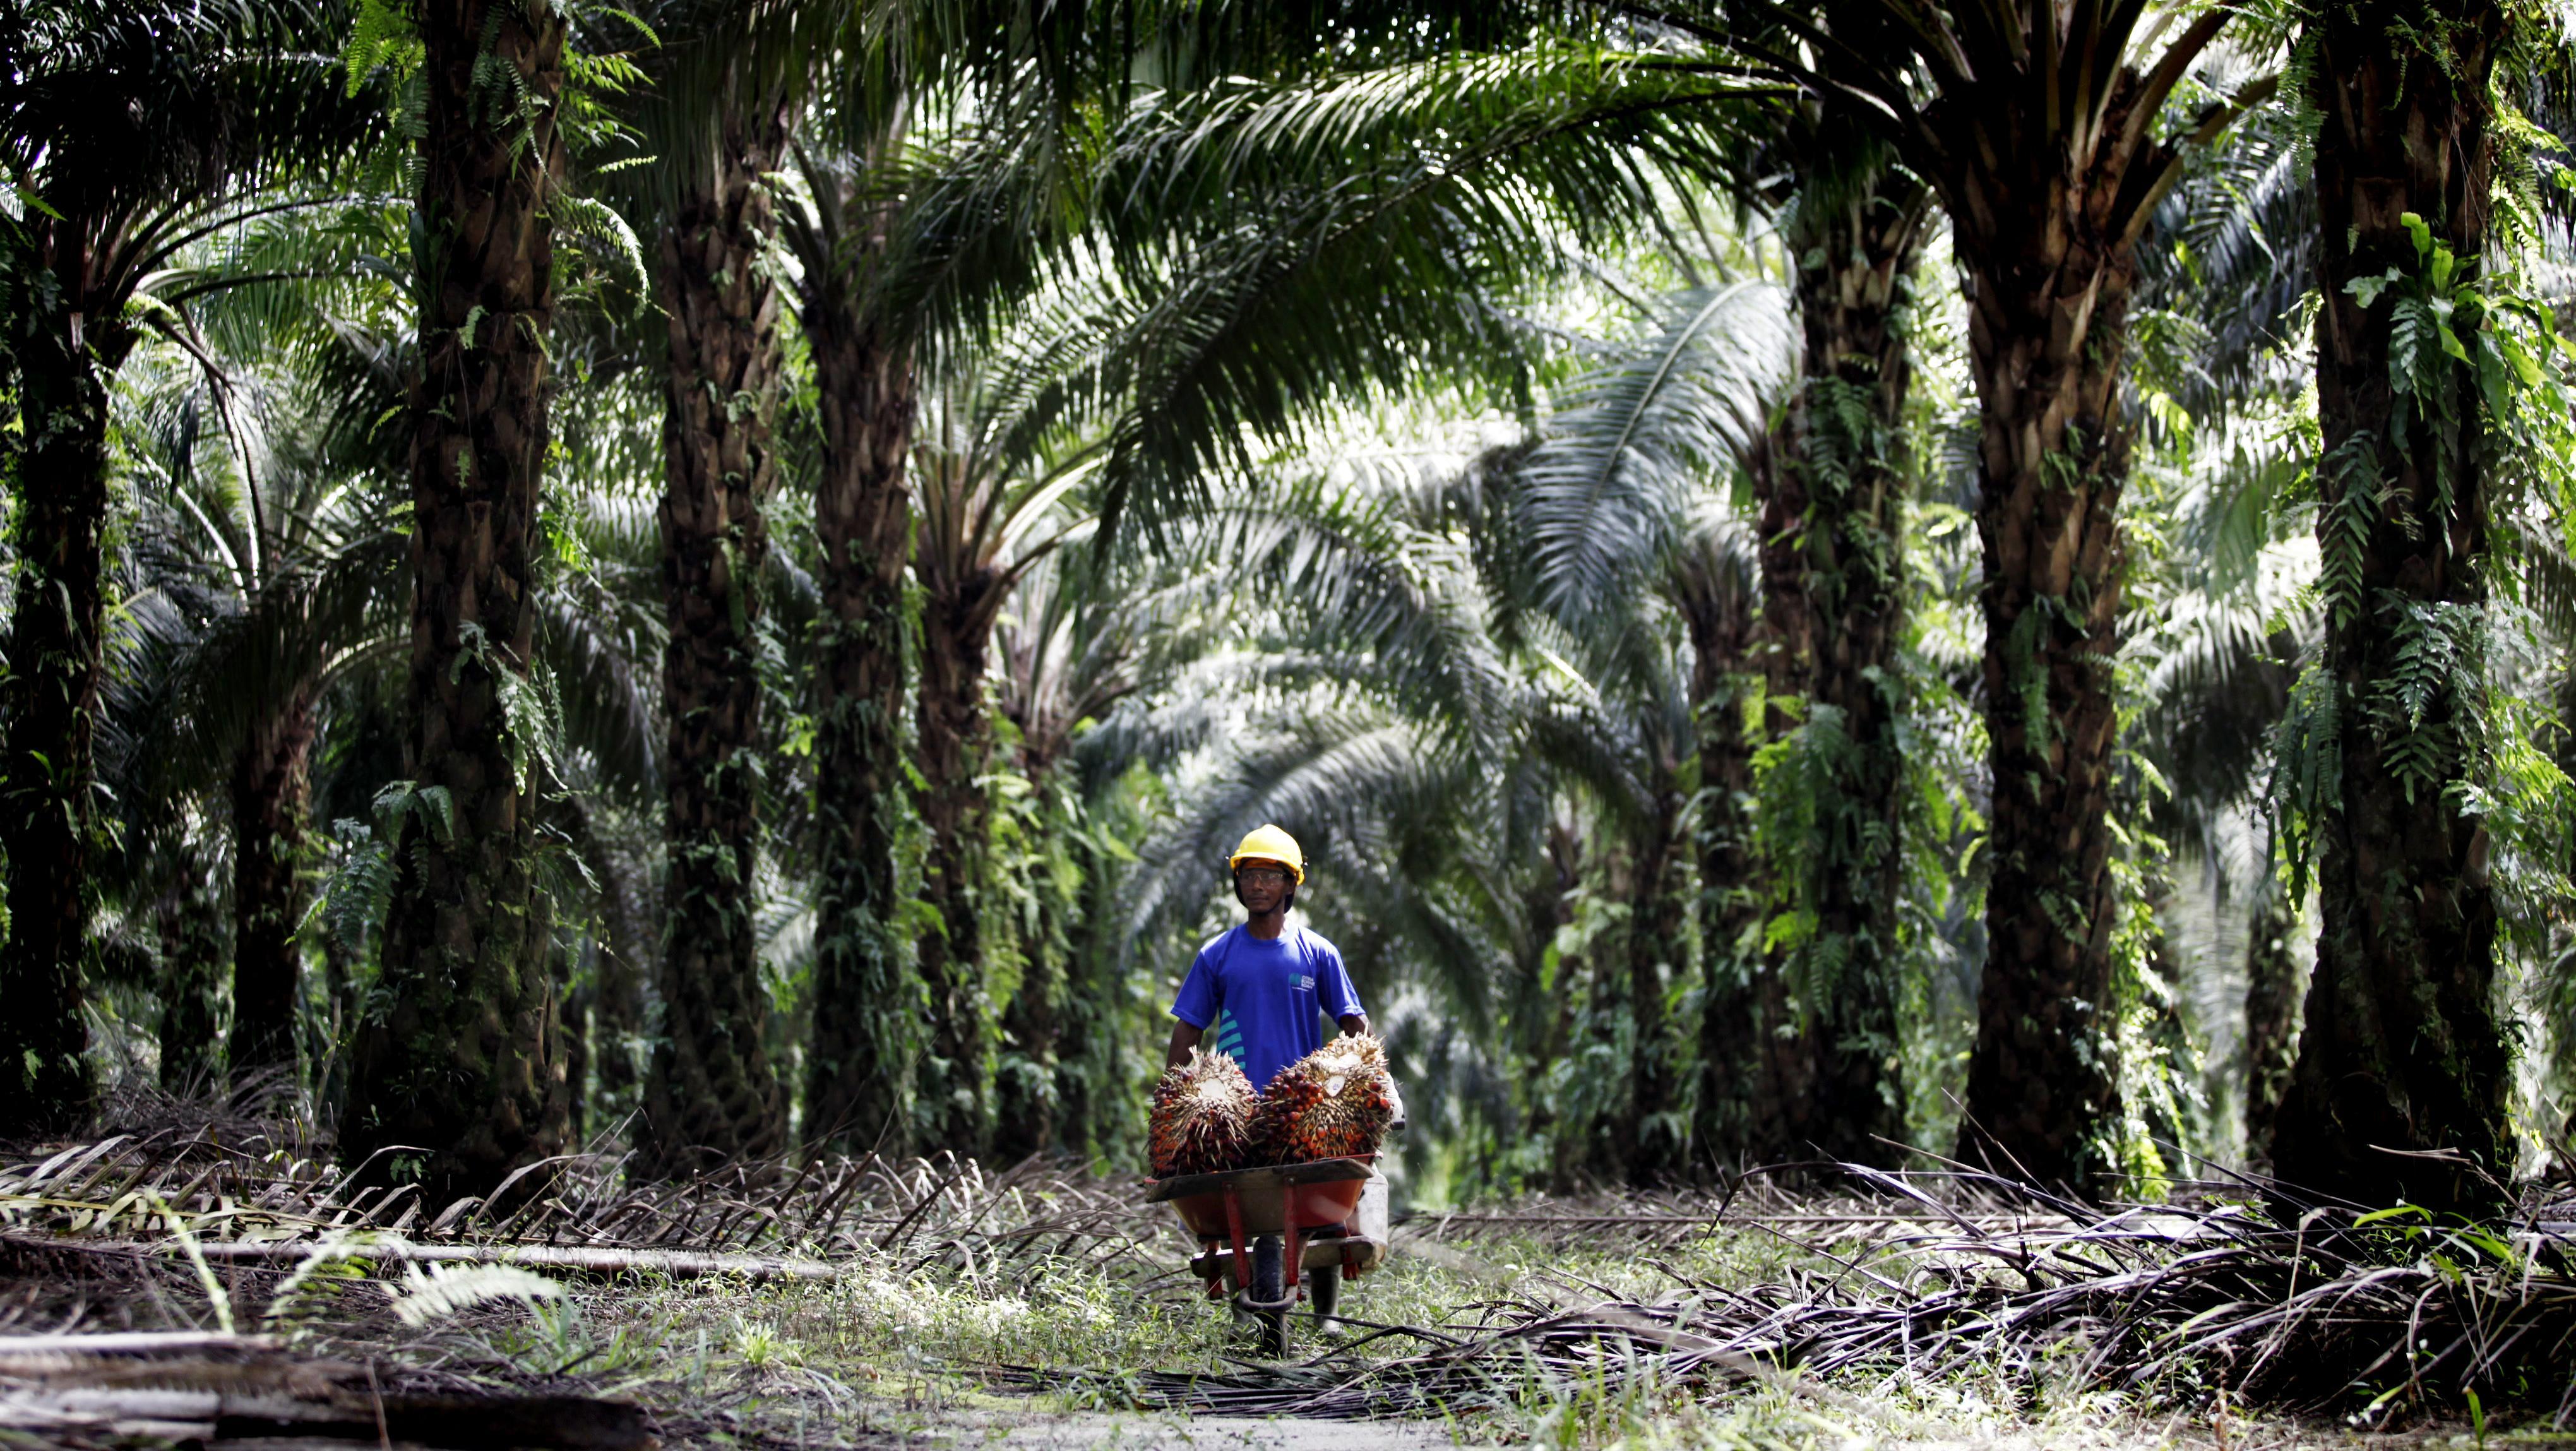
[(1232, 1208)]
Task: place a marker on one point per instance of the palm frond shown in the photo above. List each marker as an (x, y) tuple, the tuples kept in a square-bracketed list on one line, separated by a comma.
[(1612, 484)]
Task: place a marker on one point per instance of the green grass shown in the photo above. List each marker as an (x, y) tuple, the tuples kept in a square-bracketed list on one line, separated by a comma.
[(890, 1351)]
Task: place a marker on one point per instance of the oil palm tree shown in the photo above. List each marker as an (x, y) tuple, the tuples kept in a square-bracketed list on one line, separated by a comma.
[(2403, 1065), (715, 119), (893, 246), (131, 132), (900, 245), (267, 481), (860, 1049), (1073, 645), (1715, 585), (2042, 133), (463, 1062), (1832, 538), (1628, 545), (994, 474)]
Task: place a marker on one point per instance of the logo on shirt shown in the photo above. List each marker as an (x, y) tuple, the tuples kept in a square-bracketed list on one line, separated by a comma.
[(1307, 983)]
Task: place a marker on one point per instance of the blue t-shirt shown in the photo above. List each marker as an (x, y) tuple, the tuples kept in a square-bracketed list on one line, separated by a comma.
[(1269, 993)]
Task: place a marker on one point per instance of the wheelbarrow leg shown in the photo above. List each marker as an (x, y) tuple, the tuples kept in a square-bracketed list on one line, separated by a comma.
[(1234, 1231)]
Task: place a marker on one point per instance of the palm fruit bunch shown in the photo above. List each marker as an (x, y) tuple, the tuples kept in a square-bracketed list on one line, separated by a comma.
[(1202, 1117), (1331, 1104)]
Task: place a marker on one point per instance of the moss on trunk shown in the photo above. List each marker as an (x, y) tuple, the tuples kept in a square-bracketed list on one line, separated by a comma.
[(1856, 247)]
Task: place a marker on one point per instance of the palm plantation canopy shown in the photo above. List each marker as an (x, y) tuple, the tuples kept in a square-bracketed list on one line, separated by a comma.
[(1845, 580)]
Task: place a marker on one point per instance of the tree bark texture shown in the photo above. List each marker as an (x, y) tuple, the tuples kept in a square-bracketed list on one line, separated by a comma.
[(864, 1034), (464, 1060), (712, 1094), (1856, 253), (2044, 214), (49, 675), (2402, 1049), (954, 743), (272, 798)]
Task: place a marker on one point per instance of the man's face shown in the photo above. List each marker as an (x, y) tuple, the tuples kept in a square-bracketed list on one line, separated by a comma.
[(1262, 884)]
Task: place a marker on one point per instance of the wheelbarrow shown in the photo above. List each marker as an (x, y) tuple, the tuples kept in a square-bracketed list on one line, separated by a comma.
[(1328, 1218)]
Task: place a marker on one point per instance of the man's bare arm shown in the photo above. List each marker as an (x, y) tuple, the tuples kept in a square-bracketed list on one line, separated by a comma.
[(1353, 1023), (1184, 1038)]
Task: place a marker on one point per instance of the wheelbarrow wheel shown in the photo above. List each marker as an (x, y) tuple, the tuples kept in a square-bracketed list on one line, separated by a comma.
[(1270, 1289)]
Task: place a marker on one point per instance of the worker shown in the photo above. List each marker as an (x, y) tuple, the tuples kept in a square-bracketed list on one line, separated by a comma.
[(1267, 983), (1268, 986)]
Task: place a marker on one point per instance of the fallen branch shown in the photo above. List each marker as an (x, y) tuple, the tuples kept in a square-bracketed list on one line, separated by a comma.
[(683, 1264), (220, 1389)]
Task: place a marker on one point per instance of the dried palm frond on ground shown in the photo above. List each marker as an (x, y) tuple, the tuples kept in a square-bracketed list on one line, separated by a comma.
[(1334, 1103), (1201, 1119), (2367, 1314), (919, 1211), (1894, 1281)]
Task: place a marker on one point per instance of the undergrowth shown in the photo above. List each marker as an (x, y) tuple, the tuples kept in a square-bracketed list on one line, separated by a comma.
[(868, 1303)]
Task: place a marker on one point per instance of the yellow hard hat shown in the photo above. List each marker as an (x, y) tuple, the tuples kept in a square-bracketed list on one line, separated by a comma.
[(1269, 843)]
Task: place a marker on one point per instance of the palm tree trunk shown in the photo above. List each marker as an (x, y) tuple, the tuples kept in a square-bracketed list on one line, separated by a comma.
[(1777, 1064), (340, 991), (2402, 1049), (1718, 613), (2273, 981), (1847, 432), (2047, 268), (860, 1058), (464, 1061), (712, 1091), (271, 798), (955, 731), (1657, 1147), (1029, 1092), (626, 962), (192, 977), (577, 1001), (2046, 153), (49, 685)]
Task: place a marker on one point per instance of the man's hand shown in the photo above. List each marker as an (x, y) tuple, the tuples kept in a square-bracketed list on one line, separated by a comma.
[(1353, 1023), (1184, 1038)]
